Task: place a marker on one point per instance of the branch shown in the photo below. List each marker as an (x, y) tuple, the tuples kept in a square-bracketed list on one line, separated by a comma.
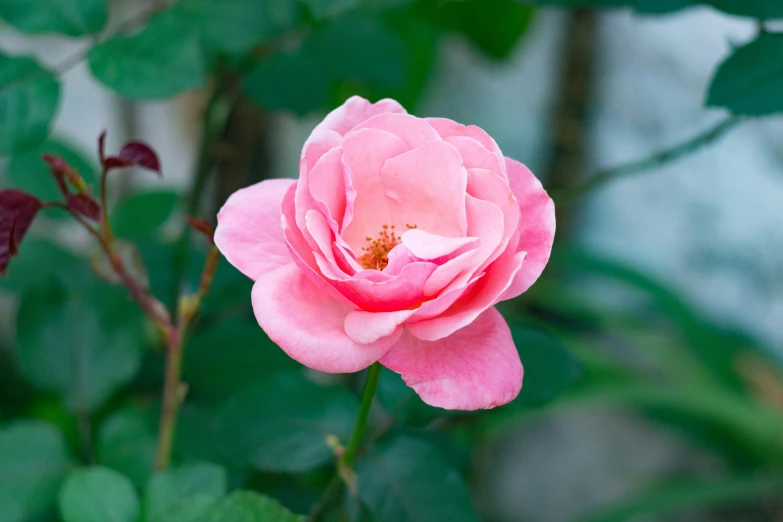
[(656, 160)]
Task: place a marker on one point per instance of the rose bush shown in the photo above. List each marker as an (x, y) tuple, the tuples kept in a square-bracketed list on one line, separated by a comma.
[(394, 244)]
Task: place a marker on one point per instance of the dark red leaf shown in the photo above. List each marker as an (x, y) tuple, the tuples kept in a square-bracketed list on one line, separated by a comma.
[(202, 225), (17, 211), (59, 168), (85, 205), (134, 154)]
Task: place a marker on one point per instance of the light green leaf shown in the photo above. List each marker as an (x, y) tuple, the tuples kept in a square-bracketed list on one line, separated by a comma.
[(231, 355), (189, 509), (127, 443), (674, 497), (408, 480), (80, 346), (28, 100), (33, 465), (166, 489), (164, 59), (139, 216), (248, 506), (28, 172), (236, 26), (98, 495), (70, 17), (262, 430), (750, 81)]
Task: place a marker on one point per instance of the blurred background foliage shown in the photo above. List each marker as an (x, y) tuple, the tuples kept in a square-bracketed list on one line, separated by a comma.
[(81, 368)]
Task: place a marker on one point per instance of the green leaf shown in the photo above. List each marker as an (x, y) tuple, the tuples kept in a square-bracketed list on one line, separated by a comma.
[(190, 509), (127, 443), (231, 355), (28, 100), (80, 346), (760, 9), (168, 489), (329, 8), (493, 26), (33, 465), (40, 259), (235, 26), (98, 495), (142, 214), (674, 497), (549, 368), (750, 81), (407, 479), (282, 423), (28, 172), (164, 59), (402, 402), (70, 17), (248, 506)]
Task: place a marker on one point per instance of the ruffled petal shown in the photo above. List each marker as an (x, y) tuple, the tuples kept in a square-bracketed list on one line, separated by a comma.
[(309, 325), (476, 367), (447, 128), (354, 111), (368, 327), (249, 231), (414, 131)]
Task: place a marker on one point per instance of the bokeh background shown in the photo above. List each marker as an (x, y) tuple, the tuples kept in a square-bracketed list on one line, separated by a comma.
[(651, 344)]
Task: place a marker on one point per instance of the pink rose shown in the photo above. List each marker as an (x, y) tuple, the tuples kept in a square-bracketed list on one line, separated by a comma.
[(394, 244)]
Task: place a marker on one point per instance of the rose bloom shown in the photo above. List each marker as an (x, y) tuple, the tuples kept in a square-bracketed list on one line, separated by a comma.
[(394, 244)]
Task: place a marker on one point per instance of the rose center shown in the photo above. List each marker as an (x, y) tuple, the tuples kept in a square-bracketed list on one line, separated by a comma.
[(376, 253)]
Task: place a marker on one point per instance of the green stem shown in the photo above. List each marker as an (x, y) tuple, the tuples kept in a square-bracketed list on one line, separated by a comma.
[(368, 392)]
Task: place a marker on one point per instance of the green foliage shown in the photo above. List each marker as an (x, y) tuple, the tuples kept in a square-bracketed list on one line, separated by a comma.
[(750, 81), (407, 479), (282, 423), (142, 214), (28, 172), (549, 368), (402, 402), (98, 495), (33, 464), (164, 59), (247, 506), (81, 345), (28, 100), (69, 17), (40, 259), (231, 355), (126, 443), (329, 8), (169, 491)]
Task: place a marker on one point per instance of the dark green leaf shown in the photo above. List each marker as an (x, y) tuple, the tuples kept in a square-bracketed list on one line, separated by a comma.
[(329, 8), (761, 9), (549, 368), (750, 81), (164, 59), (407, 479), (671, 498), (402, 402), (126, 443), (169, 490), (662, 6), (28, 172), (40, 259), (70, 17), (82, 347), (493, 26), (231, 355), (28, 100), (33, 464), (282, 423), (139, 216), (235, 26), (98, 495), (189, 509), (248, 506)]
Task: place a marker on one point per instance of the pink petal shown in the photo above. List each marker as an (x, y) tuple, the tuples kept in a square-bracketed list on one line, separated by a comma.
[(426, 187), (327, 183), (308, 325), (424, 245), (368, 327), (476, 367), (354, 111), (319, 143), (448, 128), (365, 152), (249, 229), (536, 226), (488, 186), (476, 156), (447, 273), (414, 131), (497, 278)]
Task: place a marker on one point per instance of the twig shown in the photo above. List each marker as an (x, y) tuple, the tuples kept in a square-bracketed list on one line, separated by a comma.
[(656, 160)]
